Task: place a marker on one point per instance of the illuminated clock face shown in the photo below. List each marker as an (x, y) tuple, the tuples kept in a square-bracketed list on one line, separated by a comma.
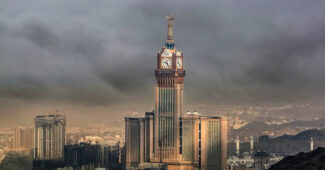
[(179, 63), (166, 63)]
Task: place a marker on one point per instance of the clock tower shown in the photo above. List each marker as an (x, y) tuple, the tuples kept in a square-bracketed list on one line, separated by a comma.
[(169, 87), (168, 136)]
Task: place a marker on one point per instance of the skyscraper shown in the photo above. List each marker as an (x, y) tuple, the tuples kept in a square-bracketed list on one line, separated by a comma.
[(49, 137), (23, 138), (82, 156), (167, 137), (213, 143), (168, 99), (190, 134), (134, 141), (110, 156)]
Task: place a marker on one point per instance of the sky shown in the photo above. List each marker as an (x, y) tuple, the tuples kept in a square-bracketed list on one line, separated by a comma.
[(94, 60)]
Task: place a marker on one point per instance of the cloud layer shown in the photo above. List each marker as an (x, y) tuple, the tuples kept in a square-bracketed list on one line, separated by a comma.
[(104, 52)]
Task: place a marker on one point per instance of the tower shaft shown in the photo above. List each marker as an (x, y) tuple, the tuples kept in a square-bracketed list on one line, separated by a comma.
[(168, 99)]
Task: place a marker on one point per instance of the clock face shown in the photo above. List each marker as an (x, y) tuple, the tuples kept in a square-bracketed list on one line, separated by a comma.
[(166, 63), (179, 63)]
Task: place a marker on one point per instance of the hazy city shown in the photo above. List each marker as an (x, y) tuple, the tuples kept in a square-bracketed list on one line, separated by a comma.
[(162, 85)]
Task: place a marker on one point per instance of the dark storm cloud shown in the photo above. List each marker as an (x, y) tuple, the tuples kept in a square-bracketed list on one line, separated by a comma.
[(105, 51)]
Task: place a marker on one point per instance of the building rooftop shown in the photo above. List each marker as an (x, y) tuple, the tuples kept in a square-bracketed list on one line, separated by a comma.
[(261, 154)]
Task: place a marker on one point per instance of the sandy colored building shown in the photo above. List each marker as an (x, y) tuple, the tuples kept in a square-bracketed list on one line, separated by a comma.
[(168, 137), (49, 137), (23, 138)]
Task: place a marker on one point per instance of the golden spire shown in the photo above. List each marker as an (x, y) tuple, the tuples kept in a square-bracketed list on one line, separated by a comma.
[(170, 28)]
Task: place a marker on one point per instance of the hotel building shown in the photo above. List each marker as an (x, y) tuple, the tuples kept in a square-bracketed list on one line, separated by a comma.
[(49, 137), (168, 137)]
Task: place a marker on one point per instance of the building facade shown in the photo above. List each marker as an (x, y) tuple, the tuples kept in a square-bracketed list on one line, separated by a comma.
[(167, 137), (133, 142), (190, 138), (168, 99), (82, 156), (49, 137), (261, 160), (23, 138), (213, 143), (111, 156)]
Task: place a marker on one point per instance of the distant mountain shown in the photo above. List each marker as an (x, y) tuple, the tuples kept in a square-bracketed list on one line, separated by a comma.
[(305, 135), (254, 128), (292, 144), (315, 123), (256, 125), (285, 144), (314, 160), (257, 128)]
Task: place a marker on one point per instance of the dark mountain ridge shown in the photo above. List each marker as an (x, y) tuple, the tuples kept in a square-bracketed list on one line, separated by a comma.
[(317, 134), (285, 144), (314, 160)]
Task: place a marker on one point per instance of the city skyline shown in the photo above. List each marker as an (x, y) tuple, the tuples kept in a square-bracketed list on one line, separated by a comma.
[(185, 85), (249, 52)]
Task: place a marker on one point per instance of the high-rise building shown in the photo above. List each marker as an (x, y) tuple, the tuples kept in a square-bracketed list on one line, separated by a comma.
[(261, 160), (168, 99), (82, 156), (49, 137), (23, 138), (167, 137), (134, 141), (149, 137), (110, 156), (190, 134), (213, 143)]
